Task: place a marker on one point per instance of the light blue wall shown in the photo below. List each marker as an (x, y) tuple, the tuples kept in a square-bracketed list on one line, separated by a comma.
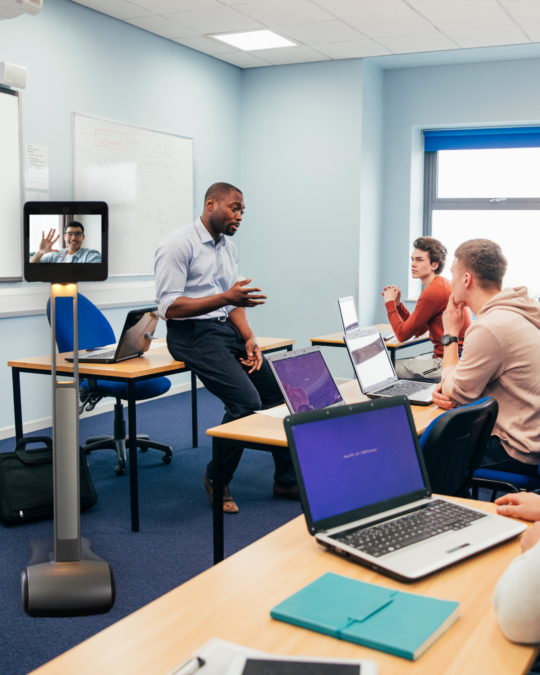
[(301, 148), (445, 96), (80, 60)]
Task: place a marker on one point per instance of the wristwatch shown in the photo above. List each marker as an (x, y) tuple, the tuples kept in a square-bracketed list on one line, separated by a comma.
[(448, 339)]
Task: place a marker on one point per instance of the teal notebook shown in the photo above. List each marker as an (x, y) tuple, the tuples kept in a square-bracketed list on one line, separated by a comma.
[(399, 623)]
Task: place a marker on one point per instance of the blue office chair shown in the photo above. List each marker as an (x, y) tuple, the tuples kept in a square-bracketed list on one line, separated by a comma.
[(96, 331), (453, 445), (503, 481)]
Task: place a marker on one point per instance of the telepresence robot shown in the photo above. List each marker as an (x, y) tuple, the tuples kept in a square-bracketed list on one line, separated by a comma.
[(64, 576)]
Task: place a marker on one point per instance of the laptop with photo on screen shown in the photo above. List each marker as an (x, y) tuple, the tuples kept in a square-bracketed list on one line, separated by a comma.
[(136, 338), (366, 496), (304, 380), (375, 371), (349, 317)]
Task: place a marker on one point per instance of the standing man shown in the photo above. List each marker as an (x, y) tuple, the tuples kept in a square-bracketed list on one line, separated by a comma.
[(74, 251), (199, 296), (500, 357), (427, 263)]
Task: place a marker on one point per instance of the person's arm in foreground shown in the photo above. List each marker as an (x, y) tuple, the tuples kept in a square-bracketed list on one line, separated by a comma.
[(254, 357), (517, 595)]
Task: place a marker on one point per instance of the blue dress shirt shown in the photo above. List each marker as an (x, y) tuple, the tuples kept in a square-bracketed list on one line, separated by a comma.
[(83, 255), (190, 264)]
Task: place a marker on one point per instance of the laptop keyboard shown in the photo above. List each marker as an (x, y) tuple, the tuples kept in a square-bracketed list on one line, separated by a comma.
[(100, 355), (431, 520), (404, 388)]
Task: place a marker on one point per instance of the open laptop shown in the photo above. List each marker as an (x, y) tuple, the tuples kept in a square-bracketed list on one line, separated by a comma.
[(349, 317), (375, 371), (365, 492), (136, 339), (304, 380)]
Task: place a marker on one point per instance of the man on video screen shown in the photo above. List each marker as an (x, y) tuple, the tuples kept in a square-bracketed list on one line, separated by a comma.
[(75, 253)]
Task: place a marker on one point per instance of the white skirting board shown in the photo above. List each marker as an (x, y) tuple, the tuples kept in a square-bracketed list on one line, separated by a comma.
[(107, 405)]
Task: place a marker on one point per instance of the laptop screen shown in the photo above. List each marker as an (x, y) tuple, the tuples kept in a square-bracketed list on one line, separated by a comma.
[(351, 461), (370, 360), (138, 332), (307, 382), (348, 314)]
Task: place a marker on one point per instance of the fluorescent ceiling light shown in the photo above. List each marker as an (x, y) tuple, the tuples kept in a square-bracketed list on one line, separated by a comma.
[(255, 39)]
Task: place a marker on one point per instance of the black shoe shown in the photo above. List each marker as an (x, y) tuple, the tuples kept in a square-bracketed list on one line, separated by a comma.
[(282, 492)]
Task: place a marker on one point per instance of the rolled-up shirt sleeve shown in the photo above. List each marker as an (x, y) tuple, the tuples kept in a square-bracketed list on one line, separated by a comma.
[(481, 362), (171, 267)]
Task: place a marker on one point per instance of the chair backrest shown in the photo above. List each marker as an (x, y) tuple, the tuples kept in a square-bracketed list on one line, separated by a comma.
[(454, 443), (94, 329)]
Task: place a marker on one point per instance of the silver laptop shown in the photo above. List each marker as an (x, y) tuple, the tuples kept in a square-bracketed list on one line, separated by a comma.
[(365, 492), (136, 339), (375, 371), (304, 380), (349, 317)]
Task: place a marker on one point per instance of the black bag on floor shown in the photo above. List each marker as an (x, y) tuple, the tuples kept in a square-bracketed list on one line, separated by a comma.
[(26, 482)]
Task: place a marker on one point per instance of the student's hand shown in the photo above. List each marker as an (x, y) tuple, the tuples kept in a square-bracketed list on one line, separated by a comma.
[(524, 505), (47, 242), (254, 359), (530, 538), (239, 296), (453, 317), (390, 293), (441, 400), (398, 296)]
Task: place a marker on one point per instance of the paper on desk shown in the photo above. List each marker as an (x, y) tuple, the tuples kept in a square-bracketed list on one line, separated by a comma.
[(218, 654), (281, 412), (36, 162)]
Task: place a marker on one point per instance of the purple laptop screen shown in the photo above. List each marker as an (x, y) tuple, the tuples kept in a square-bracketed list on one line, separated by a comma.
[(307, 382), (357, 460)]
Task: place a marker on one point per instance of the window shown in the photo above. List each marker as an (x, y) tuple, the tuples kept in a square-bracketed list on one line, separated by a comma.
[(486, 183)]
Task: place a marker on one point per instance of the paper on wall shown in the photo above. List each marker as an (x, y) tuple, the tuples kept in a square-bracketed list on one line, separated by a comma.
[(37, 196), (36, 163)]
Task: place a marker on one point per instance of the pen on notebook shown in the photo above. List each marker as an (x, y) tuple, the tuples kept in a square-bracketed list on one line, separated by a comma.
[(190, 666)]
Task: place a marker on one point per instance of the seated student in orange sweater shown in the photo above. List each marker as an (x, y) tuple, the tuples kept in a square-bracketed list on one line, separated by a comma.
[(428, 259)]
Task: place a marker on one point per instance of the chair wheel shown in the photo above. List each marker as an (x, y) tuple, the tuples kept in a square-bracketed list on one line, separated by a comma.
[(143, 449), (119, 470), (166, 459)]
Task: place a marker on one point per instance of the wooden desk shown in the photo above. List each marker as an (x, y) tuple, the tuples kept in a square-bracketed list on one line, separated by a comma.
[(232, 601), (336, 340), (154, 363), (261, 432)]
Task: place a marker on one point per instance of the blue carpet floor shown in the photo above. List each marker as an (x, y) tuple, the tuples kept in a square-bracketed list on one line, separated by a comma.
[(175, 539)]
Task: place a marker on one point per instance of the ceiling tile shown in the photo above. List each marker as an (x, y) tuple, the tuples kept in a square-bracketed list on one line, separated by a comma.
[(207, 45), (171, 6), (237, 2), (119, 9), (409, 44), (220, 20), (524, 11), (389, 25), (348, 9), (161, 26), (286, 55), (285, 12), (244, 60), (533, 31), (487, 37), (438, 4), (321, 32), (482, 17), (356, 49)]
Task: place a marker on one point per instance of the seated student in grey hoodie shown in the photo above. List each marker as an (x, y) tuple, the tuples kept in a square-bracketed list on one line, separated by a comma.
[(500, 355)]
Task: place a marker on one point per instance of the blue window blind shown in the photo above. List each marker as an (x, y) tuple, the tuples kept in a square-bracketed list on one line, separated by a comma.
[(480, 139)]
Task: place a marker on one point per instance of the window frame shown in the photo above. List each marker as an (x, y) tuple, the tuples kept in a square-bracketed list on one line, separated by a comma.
[(433, 203)]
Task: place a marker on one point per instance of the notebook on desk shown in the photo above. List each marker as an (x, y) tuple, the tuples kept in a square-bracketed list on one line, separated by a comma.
[(136, 338), (365, 492)]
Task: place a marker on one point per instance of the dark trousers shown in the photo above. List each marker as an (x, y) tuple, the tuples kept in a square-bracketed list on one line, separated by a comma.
[(212, 349), (496, 458)]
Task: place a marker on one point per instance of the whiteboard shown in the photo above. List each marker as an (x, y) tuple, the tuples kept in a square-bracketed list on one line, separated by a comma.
[(10, 186), (146, 178)]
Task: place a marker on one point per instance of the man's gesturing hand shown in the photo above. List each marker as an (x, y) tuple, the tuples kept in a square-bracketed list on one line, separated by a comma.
[(239, 295), (254, 359), (47, 242)]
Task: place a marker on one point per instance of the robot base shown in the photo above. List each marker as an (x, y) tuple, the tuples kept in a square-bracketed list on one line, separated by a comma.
[(81, 588)]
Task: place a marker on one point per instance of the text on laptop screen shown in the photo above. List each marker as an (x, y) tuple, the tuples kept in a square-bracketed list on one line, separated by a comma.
[(348, 312), (352, 461), (307, 382), (61, 238), (371, 360)]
